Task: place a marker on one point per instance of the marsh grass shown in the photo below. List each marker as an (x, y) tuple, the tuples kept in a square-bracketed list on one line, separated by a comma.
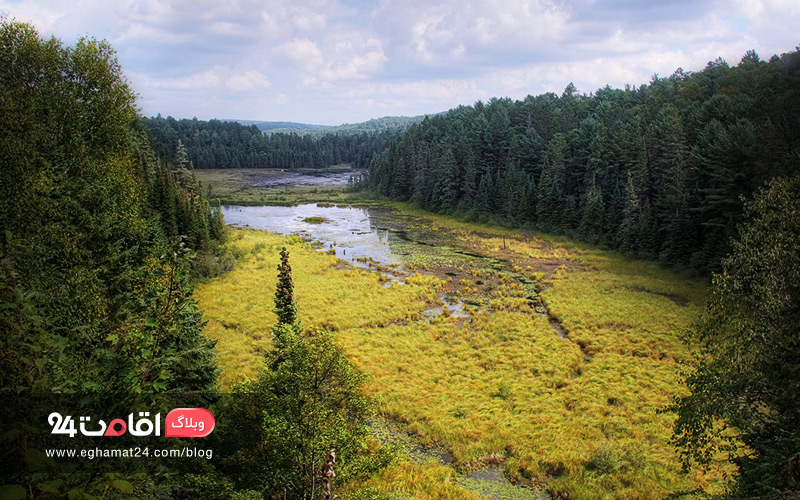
[(238, 306), (577, 414), (235, 187)]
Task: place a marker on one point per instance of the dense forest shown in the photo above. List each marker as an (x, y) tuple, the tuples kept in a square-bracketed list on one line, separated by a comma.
[(100, 240), (219, 144), (659, 171), (101, 245), (372, 125)]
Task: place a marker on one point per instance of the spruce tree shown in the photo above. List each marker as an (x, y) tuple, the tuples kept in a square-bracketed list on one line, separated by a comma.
[(285, 306)]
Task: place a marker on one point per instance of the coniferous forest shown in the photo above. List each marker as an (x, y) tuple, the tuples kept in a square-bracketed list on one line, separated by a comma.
[(659, 171), (100, 247), (98, 235), (218, 144)]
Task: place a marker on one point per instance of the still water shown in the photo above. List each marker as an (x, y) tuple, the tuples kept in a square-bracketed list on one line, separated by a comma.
[(355, 233)]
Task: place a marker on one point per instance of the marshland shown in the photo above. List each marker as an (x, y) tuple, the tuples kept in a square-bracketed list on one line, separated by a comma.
[(532, 363)]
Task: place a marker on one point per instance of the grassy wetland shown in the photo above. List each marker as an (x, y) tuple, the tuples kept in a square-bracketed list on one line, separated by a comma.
[(256, 186), (510, 353)]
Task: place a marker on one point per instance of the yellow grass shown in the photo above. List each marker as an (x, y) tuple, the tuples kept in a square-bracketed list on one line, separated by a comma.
[(238, 306), (577, 414)]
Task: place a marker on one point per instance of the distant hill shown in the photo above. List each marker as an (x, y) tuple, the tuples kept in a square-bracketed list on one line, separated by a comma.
[(382, 123), (280, 126), (372, 125), (236, 144)]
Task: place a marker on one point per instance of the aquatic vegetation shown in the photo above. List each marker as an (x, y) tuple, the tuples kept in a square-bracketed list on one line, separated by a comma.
[(330, 293), (238, 187), (556, 371)]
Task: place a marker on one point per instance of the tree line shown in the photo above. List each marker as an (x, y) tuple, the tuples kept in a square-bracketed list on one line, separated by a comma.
[(658, 171), (222, 144), (100, 240)]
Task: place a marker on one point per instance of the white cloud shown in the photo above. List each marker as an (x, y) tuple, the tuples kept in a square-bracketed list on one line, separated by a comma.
[(475, 30), (205, 80), (419, 97), (344, 58), (300, 52), (139, 31), (329, 61), (249, 80)]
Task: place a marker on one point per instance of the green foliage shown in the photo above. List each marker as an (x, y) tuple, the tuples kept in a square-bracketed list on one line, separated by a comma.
[(218, 144), (98, 244), (747, 377), (285, 306), (85, 262)]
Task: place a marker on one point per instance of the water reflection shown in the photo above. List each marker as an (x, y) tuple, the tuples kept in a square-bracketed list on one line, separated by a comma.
[(348, 231)]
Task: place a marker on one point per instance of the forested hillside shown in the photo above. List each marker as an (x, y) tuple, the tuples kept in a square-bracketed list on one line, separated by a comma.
[(97, 234), (658, 171), (100, 246), (372, 125), (218, 144)]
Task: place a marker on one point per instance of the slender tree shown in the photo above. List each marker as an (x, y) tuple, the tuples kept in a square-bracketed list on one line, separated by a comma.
[(285, 306)]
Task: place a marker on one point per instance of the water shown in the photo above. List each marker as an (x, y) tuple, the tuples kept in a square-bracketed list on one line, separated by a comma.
[(455, 309), (349, 231), (275, 179), (375, 238)]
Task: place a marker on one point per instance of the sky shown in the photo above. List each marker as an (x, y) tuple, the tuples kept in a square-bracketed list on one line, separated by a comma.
[(346, 61)]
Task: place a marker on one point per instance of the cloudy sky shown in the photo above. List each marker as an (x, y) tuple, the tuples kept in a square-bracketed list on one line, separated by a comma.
[(336, 61)]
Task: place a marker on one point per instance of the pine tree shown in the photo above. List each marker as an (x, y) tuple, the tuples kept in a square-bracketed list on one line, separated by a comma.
[(592, 215), (450, 186), (307, 401), (181, 157), (550, 203)]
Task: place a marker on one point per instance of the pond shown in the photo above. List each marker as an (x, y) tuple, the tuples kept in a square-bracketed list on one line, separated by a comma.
[(370, 237), (350, 232)]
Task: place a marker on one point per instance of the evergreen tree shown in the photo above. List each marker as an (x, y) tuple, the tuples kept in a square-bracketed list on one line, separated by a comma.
[(666, 164), (95, 286), (307, 401), (285, 306), (451, 183), (181, 158), (592, 215), (550, 200)]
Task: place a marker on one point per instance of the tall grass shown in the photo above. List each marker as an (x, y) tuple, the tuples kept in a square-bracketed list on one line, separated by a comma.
[(578, 413)]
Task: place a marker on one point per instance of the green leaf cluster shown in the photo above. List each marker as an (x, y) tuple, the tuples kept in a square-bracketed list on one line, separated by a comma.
[(99, 251), (743, 397)]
